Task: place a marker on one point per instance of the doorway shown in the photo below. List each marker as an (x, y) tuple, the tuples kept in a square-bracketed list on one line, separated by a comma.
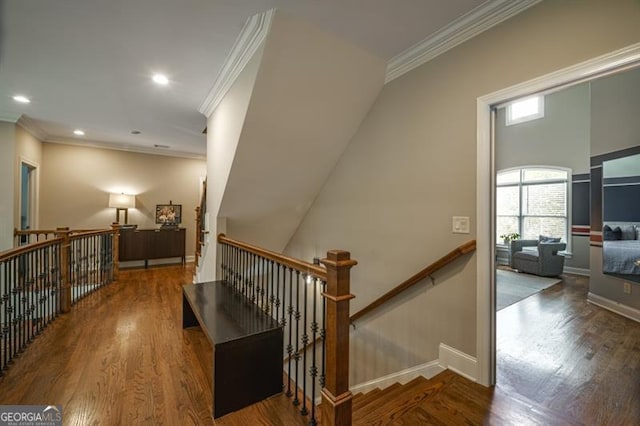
[(486, 171), (28, 197)]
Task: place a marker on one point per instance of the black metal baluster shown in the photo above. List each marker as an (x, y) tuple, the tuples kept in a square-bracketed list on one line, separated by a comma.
[(238, 276), (254, 282), (16, 304), (5, 329), (314, 368), (305, 340), (260, 301), (277, 299), (296, 356), (289, 345), (272, 299)]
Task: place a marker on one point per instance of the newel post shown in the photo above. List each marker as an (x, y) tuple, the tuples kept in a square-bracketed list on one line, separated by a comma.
[(115, 250), (336, 397), (65, 269)]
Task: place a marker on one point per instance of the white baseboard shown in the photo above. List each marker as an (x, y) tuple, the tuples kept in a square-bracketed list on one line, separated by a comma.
[(427, 370), (459, 362), (618, 308), (577, 271)]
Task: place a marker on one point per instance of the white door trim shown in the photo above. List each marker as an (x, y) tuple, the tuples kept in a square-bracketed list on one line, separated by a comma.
[(616, 61)]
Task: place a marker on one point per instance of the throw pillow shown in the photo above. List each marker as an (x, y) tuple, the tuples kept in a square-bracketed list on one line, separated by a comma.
[(609, 234), (545, 239), (628, 232)]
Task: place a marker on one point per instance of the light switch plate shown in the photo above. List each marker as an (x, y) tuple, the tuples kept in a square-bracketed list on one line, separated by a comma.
[(460, 225)]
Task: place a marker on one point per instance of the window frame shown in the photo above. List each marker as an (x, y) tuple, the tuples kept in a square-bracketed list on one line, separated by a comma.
[(520, 184)]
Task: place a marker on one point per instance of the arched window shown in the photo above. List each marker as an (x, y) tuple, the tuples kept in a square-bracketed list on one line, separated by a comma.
[(533, 201)]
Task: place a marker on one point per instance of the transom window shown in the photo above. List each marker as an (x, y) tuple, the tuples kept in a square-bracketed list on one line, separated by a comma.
[(525, 109), (532, 201)]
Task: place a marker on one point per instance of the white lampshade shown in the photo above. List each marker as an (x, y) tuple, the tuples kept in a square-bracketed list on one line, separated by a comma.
[(122, 201)]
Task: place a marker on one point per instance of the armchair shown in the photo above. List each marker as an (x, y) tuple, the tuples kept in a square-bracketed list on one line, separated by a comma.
[(546, 262)]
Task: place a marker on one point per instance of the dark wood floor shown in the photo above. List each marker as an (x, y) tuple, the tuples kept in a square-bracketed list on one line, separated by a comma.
[(121, 357), (557, 351)]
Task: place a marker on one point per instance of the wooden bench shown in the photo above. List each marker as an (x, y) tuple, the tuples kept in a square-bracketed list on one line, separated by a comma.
[(247, 345)]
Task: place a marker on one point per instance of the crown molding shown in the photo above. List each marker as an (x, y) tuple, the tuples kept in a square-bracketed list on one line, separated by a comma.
[(9, 118), (251, 37), (31, 126), (127, 148), (462, 29)]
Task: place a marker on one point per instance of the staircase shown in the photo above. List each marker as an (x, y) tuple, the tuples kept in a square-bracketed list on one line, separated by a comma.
[(415, 402), (445, 399)]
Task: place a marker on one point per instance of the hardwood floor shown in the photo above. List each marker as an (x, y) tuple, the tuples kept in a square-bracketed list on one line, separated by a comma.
[(121, 357), (560, 352)]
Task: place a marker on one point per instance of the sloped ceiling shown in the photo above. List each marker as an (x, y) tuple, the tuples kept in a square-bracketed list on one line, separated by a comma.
[(311, 93)]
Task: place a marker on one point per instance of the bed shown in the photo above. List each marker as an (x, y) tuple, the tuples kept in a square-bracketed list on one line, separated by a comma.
[(621, 257)]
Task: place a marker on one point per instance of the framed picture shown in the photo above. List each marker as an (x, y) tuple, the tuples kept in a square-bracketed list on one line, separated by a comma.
[(168, 214)]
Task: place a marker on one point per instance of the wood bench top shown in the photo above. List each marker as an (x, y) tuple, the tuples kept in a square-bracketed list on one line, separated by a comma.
[(223, 314)]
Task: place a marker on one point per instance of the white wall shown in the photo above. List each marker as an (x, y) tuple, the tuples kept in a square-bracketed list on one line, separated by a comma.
[(412, 165), (224, 128), (7, 182)]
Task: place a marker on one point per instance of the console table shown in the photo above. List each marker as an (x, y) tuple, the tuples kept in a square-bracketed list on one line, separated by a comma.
[(146, 244)]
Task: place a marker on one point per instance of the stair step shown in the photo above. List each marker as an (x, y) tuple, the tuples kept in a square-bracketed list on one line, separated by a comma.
[(401, 400), (374, 399), (362, 399)]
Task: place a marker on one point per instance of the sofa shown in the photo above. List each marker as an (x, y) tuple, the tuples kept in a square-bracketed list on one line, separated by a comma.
[(545, 261)]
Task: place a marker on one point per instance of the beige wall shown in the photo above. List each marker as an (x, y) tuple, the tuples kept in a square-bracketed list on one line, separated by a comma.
[(75, 184), (28, 150), (7, 179), (412, 166)]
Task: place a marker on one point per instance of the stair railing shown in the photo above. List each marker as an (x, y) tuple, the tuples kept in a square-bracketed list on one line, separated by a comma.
[(40, 280), (312, 303), (459, 251)]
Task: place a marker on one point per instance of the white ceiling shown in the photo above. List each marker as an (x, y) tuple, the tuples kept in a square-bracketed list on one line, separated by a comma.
[(87, 63)]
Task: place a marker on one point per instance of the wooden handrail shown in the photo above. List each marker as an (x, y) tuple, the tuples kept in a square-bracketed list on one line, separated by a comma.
[(7, 254), (465, 248), (87, 233), (296, 264)]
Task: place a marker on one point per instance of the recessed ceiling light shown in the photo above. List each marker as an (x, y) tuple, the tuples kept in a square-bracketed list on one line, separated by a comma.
[(160, 79), (78, 132), (22, 99)]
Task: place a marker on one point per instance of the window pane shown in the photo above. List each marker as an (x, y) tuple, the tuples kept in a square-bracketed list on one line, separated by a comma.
[(537, 175), (524, 108), (512, 176), (534, 226), (507, 201), (545, 199), (506, 225)]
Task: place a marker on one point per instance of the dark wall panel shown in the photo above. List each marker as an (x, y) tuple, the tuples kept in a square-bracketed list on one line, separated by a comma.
[(622, 203), (580, 203)]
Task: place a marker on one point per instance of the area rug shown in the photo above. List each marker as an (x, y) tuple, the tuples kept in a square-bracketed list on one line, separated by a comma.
[(512, 287)]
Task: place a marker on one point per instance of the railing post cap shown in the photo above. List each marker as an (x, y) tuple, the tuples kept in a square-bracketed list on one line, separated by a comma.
[(338, 258)]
